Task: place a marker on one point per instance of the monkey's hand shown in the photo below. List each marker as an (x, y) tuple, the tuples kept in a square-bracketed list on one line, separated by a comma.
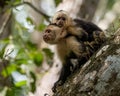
[(57, 84)]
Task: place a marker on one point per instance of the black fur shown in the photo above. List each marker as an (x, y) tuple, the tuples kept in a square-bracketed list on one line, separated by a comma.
[(65, 72), (89, 27)]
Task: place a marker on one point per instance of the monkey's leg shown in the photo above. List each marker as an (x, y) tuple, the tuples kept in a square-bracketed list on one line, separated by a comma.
[(65, 72), (78, 32)]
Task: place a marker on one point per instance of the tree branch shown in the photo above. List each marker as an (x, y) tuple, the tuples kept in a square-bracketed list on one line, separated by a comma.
[(37, 10), (32, 6), (5, 23)]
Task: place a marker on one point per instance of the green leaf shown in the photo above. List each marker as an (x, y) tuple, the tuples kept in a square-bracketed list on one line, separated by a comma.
[(16, 91), (29, 20), (21, 83), (33, 84), (17, 2), (21, 61), (12, 2), (2, 50), (48, 52), (3, 45), (37, 58), (41, 27), (31, 46), (6, 40), (22, 56), (6, 72), (57, 2)]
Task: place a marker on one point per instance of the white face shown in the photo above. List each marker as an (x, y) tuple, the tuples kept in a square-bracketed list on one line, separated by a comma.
[(61, 18), (51, 34)]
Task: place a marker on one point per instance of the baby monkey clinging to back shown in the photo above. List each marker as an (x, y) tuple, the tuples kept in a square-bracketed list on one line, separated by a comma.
[(84, 30)]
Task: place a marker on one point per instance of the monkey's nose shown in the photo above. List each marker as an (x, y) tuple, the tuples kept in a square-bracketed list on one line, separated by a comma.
[(46, 38), (60, 24)]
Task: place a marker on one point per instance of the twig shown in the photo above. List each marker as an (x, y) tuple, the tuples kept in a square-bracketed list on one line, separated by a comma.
[(7, 54), (4, 61), (5, 23)]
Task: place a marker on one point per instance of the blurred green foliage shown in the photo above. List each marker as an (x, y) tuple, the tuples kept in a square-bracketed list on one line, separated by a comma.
[(48, 53), (110, 4), (22, 55), (114, 26), (40, 27), (57, 2), (16, 91), (29, 20)]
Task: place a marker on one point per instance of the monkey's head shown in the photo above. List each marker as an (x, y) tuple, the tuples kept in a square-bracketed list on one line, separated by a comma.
[(61, 18), (53, 34)]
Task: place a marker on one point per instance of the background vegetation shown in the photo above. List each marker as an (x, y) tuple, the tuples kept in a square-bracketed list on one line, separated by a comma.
[(21, 56)]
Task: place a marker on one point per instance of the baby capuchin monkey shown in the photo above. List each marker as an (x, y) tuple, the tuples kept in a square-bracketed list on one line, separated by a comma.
[(68, 47)]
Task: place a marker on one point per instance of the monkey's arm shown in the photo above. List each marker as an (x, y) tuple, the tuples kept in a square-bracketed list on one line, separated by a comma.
[(75, 46), (77, 31)]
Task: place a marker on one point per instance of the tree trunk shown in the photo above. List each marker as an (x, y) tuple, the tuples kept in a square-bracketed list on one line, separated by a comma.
[(71, 6), (88, 9), (100, 76)]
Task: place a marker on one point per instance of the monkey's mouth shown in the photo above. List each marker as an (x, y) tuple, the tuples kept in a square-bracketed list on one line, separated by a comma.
[(47, 39), (60, 25)]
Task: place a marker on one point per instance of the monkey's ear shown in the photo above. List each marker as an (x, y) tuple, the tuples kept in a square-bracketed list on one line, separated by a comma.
[(52, 23)]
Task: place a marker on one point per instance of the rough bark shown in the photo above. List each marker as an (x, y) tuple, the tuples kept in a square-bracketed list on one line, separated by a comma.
[(100, 76)]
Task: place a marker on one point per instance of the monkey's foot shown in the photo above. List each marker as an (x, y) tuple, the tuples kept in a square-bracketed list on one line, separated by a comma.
[(57, 84)]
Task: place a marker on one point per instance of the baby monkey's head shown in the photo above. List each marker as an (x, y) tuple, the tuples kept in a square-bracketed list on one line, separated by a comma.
[(61, 18), (53, 34)]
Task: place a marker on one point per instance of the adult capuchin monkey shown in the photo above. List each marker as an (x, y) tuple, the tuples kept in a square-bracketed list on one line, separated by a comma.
[(68, 47), (74, 38), (92, 33)]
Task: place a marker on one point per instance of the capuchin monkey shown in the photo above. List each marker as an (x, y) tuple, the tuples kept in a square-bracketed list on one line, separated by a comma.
[(66, 43), (68, 47), (74, 39), (84, 30)]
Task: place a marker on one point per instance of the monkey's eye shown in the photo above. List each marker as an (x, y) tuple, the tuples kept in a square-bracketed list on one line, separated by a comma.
[(63, 18), (58, 18), (48, 31)]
